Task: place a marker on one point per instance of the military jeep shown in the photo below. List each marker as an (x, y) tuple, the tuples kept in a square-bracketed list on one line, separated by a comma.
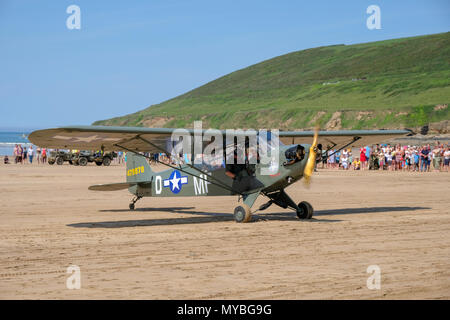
[(59, 157), (82, 158)]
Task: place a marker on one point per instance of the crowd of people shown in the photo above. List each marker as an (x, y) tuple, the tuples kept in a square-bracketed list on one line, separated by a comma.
[(391, 157), (24, 154)]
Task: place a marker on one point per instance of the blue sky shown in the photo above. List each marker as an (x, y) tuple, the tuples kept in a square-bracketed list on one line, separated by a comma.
[(129, 55)]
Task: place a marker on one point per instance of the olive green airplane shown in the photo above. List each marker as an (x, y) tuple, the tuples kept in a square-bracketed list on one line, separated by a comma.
[(296, 159)]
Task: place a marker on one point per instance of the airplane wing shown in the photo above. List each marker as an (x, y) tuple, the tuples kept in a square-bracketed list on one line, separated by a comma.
[(137, 139), (341, 138), (101, 137)]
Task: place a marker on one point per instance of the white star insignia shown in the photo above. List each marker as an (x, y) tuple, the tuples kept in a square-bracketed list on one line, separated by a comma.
[(175, 182), (85, 139)]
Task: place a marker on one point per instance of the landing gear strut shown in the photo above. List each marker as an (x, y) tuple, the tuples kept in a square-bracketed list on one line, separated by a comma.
[(133, 201), (243, 213), (304, 210)]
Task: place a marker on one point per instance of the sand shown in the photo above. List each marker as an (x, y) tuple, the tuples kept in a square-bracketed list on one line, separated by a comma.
[(191, 248)]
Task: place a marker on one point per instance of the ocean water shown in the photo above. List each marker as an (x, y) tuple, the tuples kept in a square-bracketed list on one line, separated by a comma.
[(9, 139)]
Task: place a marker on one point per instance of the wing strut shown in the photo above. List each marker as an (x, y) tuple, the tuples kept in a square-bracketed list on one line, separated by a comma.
[(345, 146)]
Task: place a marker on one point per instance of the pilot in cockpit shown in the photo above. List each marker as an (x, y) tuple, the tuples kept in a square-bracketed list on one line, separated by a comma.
[(294, 155)]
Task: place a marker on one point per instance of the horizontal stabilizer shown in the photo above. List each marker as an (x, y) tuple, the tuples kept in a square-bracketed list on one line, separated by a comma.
[(112, 186)]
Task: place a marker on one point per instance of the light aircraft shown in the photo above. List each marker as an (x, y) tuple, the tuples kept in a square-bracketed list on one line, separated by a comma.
[(297, 160)]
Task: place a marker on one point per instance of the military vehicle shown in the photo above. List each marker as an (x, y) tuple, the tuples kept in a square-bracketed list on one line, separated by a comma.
[(82, 158), (60, 156), (104, 159)]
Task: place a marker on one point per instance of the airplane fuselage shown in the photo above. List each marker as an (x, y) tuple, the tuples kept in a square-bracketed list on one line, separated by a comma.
[(185, 181)]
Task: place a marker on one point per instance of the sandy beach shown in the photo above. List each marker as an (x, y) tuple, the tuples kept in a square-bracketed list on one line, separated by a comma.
[(191, 248)]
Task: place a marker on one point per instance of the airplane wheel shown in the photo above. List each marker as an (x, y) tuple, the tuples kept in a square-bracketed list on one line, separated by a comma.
[(131, 206), (242, 213), (306, 210)]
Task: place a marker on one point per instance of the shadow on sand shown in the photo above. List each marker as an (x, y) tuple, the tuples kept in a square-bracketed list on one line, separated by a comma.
[(208, 217)]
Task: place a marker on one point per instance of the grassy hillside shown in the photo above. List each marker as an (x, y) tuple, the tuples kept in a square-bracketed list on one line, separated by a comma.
[(387, 84)]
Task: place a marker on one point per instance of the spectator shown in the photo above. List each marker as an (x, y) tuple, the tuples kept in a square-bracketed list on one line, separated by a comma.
[(44, 155), (398, 158), (331, 159), (416, 160), (24, 155), (362, 158), (337, 158), (344, 161), (388, 156), (19, 153), (16, 153), (437, 158), (356, 164), (30, 154), (381, 159), (446, 158), (368, 153), (350, 157), (424, 159), (38, 155)]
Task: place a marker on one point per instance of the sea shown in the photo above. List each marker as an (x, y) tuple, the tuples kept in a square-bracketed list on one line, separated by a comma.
[(9, 139)]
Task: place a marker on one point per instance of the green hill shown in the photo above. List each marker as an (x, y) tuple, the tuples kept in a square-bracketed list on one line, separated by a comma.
[(386, 84)]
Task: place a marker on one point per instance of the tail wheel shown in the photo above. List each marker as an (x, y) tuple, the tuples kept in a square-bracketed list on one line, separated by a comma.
[(306, 210), (242, 213), (82, 161), (106, 161), (59, 161)]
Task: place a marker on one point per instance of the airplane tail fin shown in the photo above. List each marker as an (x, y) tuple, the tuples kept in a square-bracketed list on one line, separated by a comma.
[(138, 169)]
